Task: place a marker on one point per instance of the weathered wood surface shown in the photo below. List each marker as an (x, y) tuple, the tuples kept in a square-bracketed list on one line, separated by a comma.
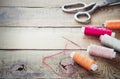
[(43, 38), (52, 17), (40, 3), (107, 69), (19, 20)]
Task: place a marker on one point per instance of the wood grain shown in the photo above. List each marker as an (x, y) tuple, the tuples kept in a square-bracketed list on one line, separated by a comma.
[(41, 25), (52, 17), (40, 3), (43, 38), (107, 69)]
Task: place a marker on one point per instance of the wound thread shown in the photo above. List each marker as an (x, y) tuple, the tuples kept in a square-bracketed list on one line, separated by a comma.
[(101, 51), (95, 31), (84, 61), (112, 24), (110, 42)]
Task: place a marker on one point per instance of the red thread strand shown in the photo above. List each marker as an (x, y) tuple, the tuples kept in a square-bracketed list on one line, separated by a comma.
[(72, 42), (50, 56), (47, 57)]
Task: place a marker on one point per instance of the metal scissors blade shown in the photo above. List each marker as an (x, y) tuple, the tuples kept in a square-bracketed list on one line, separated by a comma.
[(108, 2), (113, 2), (73, 7), (87, 10)]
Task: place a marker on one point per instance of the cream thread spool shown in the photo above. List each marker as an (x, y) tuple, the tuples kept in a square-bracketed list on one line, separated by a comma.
[(110, 42), (84, 61), (101, 51)]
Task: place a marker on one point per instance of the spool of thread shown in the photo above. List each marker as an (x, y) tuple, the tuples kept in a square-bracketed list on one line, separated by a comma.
[(110, 42), (84, 61), (112, 24), (101, 51), (94, 31)]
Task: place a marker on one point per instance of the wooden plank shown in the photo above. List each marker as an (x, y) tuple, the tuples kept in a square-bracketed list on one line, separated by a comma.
[(39, 3), (44, 38), (34, 68), (52, 17)]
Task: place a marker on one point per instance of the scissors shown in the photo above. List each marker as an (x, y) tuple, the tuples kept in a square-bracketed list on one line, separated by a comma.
[(84, 10)]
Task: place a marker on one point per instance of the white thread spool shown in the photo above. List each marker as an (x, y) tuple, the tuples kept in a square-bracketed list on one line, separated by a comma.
[(101, 51), (110, 42)]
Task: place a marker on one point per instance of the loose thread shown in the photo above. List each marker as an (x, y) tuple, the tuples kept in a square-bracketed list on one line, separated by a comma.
[(47, 57), (50, 56), (72, 42)]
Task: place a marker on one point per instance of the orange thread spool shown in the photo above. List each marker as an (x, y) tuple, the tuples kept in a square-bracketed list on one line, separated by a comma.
[(112, 24), (84, 61)]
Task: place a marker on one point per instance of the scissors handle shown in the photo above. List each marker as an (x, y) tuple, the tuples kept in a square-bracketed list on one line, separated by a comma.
[(79, 15), (73, 7), (81, 10), (86, 14)]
